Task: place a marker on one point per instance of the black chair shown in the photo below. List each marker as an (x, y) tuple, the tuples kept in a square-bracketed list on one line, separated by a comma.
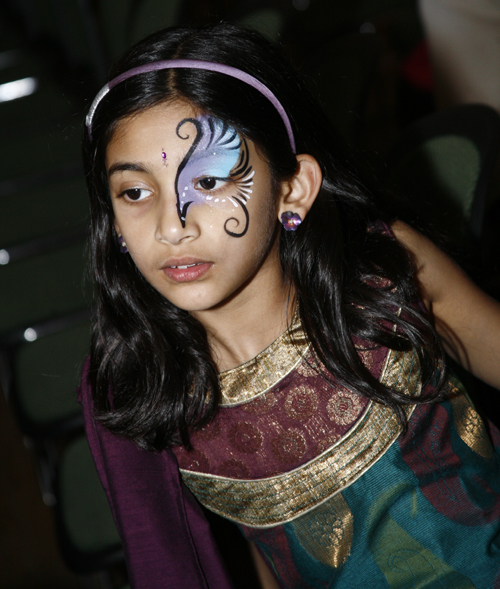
[(88, 539), (446, 165), (44, 316)]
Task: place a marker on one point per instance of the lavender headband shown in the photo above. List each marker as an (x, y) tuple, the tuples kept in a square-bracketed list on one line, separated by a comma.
[(198, 65)]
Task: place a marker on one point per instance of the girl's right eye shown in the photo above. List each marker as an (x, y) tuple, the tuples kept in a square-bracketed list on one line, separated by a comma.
[(136, 194)]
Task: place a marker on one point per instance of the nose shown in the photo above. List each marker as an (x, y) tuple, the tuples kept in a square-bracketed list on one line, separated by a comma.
[(169, 226)]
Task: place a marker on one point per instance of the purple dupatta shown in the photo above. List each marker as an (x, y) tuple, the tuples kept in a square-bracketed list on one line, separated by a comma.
[(166, 539)]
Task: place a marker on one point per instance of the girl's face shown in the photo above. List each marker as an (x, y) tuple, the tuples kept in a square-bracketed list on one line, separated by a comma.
[(194, 204)]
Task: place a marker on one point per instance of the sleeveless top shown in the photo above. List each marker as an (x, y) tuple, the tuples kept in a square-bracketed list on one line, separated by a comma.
[(331, 491)]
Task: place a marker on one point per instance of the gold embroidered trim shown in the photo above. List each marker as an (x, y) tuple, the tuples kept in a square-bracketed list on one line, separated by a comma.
[(257, 376), (277, 500), (469, 424), (326, 533)]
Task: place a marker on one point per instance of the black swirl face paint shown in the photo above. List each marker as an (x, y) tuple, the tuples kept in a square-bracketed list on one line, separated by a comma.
[(215, 170)]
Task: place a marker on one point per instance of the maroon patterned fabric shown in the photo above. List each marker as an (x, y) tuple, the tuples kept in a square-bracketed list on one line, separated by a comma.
[(299, 418)]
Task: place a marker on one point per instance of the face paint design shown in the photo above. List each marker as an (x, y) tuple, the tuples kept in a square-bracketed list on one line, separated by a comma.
[(217, 157), (164, 157)]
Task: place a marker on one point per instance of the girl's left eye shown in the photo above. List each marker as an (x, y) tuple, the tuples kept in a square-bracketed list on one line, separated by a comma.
[(210, 183), (136, 194)]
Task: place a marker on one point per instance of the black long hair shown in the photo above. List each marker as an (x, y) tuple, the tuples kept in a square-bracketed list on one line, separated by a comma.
[(350, 274)]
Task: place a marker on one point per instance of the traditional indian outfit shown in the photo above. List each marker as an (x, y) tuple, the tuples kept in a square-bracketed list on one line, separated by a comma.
[(322, 480)]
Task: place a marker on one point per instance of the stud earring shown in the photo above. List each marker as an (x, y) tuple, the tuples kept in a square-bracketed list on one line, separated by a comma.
[(123, 245), (290, 221)]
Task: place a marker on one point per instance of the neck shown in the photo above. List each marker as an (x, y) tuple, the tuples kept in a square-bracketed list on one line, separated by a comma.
[(240, 329)]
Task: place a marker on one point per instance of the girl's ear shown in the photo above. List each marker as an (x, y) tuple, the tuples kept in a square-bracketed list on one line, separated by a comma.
[(300, 191)]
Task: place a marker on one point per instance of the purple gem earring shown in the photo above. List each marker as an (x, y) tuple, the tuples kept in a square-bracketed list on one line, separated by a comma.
[(290, 221), (123, 245)]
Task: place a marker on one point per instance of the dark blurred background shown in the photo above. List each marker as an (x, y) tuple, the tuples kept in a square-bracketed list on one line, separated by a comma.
[(390, 74)]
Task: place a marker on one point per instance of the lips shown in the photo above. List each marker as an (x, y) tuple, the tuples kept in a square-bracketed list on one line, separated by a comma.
[(185, 269)]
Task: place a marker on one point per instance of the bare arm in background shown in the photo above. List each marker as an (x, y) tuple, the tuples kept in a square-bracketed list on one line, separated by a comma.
[(466, 318)]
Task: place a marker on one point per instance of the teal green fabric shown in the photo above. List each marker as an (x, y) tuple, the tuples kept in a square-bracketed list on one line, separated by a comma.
[(426, 515)]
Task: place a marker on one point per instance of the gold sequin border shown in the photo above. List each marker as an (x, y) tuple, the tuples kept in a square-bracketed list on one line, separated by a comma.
[(257, 376), (277, 500)]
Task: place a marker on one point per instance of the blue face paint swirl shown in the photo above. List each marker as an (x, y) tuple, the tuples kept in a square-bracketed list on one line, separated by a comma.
[(217, 156)]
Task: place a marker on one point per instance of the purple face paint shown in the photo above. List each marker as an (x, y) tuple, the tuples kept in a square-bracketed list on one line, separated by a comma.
[(164, 157), (218, 157)]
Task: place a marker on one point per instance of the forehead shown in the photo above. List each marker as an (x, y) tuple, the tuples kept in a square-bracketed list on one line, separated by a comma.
[(143, 132)]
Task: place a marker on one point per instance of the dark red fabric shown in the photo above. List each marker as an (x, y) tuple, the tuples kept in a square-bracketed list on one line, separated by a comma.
[(428, 449), (166, 538)]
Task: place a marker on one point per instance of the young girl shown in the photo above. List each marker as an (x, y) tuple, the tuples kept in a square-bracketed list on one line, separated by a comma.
[(269, 339)]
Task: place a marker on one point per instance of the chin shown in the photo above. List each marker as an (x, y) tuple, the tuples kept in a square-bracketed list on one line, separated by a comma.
[(192, 307), (197, 300)]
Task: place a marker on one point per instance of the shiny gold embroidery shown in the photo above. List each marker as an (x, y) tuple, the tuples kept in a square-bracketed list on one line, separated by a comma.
[(343, 407), (260, 405), (326, 442), (311, 365), (245, 437), (301, 403), (283, 498), (307, 369), (279, 499), (258, 375), (276, 500), (326, 532), (470, 426), (402, 373), (289, 446), (366, 357), (198, 461)]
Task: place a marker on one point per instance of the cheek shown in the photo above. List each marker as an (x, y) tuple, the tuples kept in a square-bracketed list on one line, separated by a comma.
[(264, 207), (262, 234), (265, 222), (123, 222), (213, 207), (139, 238), (220, 214), (142, 261)]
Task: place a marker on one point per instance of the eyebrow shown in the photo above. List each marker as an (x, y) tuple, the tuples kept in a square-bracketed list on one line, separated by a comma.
[(126, 167)]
